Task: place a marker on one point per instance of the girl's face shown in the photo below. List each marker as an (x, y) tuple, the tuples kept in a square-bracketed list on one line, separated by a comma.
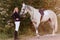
[(16, 9)]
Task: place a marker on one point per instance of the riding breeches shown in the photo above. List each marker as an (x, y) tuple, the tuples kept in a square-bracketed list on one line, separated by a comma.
[(17, 24)]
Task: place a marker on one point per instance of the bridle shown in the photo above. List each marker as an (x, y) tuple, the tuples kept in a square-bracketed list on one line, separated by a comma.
[(24, 10)]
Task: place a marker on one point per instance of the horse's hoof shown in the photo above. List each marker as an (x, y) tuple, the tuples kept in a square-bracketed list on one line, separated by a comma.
[(37, 35), (50, 35), (53, 34)]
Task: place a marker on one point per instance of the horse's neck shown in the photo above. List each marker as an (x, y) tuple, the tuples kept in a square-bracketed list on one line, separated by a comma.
[(31, 12)]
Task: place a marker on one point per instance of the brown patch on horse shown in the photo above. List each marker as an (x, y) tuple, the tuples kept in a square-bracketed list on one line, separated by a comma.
[(41, 11), (49, 20)]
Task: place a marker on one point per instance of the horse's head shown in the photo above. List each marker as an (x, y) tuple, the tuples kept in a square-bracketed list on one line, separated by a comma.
[(23, 9)]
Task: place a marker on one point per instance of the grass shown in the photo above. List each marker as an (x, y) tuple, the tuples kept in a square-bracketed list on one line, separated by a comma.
[(3, 36)]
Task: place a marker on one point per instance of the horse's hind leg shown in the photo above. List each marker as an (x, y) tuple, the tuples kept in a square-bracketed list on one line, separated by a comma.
[(53, 32), (53, 27)]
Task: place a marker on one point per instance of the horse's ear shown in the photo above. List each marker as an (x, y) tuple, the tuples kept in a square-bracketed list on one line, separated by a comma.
[(23, 4)]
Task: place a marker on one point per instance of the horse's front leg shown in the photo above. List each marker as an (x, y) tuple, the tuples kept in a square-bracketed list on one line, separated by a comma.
[(36, 25), (37, 33)]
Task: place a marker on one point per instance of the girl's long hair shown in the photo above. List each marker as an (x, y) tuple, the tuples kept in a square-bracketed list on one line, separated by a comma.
[(15, 10)]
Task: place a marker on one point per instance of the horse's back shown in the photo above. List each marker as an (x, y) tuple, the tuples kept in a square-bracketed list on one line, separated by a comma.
[(48, 14)]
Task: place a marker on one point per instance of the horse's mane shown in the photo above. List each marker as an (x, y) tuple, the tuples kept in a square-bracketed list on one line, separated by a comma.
[(30, 7)]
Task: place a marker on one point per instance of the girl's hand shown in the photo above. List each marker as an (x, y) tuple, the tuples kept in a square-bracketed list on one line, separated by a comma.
[(17, 18)]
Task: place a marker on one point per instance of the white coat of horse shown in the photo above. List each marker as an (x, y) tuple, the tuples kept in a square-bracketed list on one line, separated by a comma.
[(36, 17)]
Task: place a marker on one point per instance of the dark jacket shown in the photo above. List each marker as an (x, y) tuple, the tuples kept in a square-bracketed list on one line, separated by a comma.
[(16, 16)]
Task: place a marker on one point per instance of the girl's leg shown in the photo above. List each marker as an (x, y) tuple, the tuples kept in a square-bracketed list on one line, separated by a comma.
[(17, 24)]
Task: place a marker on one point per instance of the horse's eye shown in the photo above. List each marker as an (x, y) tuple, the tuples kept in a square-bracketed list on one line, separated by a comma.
[(23, 9)]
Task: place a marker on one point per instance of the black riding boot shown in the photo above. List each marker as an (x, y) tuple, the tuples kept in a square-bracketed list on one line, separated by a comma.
[(15, 35)]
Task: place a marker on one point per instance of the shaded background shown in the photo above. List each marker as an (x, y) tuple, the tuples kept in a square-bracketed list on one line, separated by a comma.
[(26, 27)]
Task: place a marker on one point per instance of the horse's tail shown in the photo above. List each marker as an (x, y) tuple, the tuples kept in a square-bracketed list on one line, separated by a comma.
[(54, 20), (55, 23)]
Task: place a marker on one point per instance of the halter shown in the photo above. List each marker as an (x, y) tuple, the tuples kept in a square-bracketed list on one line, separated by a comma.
[(24, 9)]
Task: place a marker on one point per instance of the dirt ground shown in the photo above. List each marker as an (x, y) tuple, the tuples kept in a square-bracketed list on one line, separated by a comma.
[(56, 37)]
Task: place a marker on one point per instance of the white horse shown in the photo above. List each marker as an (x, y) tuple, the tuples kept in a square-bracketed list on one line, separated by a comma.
[(49, 16)]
